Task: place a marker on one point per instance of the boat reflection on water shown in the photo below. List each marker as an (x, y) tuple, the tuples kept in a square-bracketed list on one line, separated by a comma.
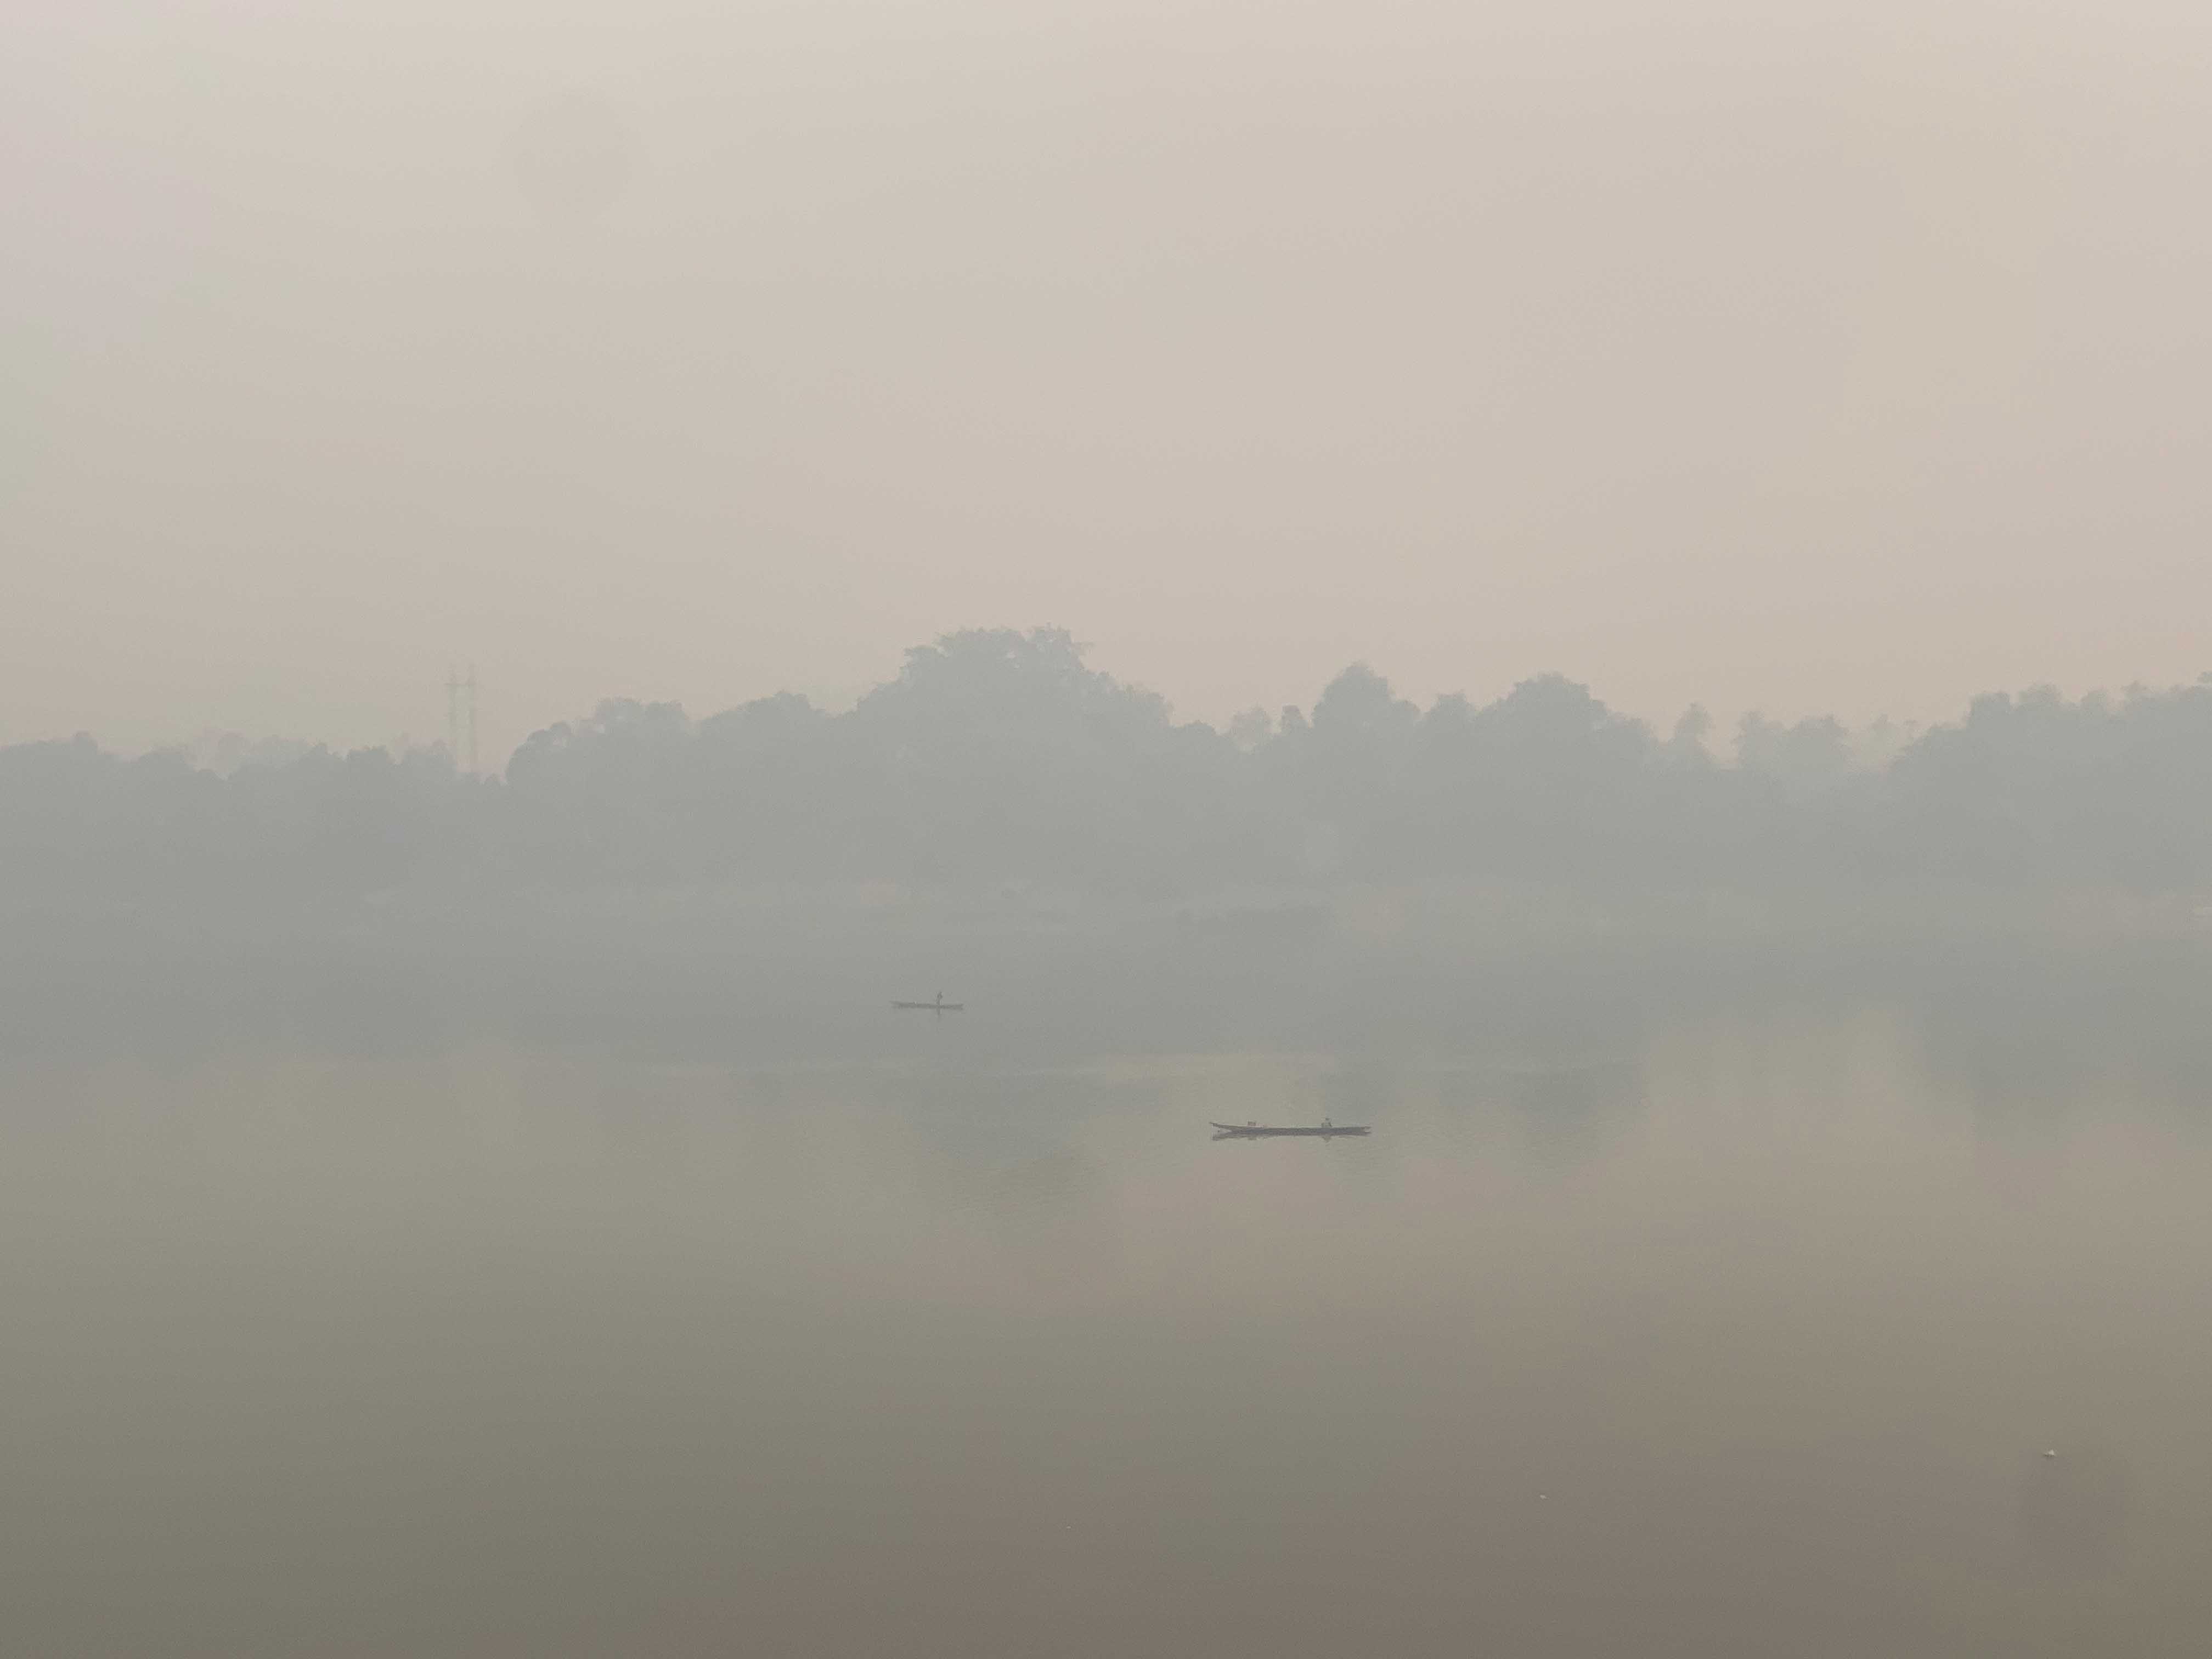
[(939, 1007), (1256, 1131)]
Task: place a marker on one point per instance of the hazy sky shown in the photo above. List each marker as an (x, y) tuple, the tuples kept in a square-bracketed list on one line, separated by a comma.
[(1828, 356)]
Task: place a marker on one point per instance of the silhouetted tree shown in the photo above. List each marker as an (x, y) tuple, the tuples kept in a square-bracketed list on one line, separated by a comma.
[(996, 756)]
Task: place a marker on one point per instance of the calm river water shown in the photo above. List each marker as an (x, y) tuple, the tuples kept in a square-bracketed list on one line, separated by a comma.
[(1724, 1335)]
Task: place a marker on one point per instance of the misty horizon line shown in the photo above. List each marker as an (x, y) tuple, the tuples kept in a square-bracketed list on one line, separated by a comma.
[(997, 756), (223, 749)]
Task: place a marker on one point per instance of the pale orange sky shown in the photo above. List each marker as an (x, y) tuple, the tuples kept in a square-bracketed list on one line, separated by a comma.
[(1831, 357)]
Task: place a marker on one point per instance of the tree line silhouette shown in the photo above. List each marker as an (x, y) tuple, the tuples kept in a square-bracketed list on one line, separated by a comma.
[(999, 756)]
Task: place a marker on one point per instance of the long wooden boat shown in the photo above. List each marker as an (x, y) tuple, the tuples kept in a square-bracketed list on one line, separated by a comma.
[(1325, 1127)]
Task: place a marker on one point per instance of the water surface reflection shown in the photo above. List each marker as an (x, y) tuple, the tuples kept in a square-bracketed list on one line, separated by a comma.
[(1744, 1332)]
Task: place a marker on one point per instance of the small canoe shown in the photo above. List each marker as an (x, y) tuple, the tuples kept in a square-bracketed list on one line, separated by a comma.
[(1257, 1129)]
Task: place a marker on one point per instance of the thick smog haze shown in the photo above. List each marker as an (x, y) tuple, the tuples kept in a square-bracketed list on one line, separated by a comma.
[(971, 830), (1816, 359)]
